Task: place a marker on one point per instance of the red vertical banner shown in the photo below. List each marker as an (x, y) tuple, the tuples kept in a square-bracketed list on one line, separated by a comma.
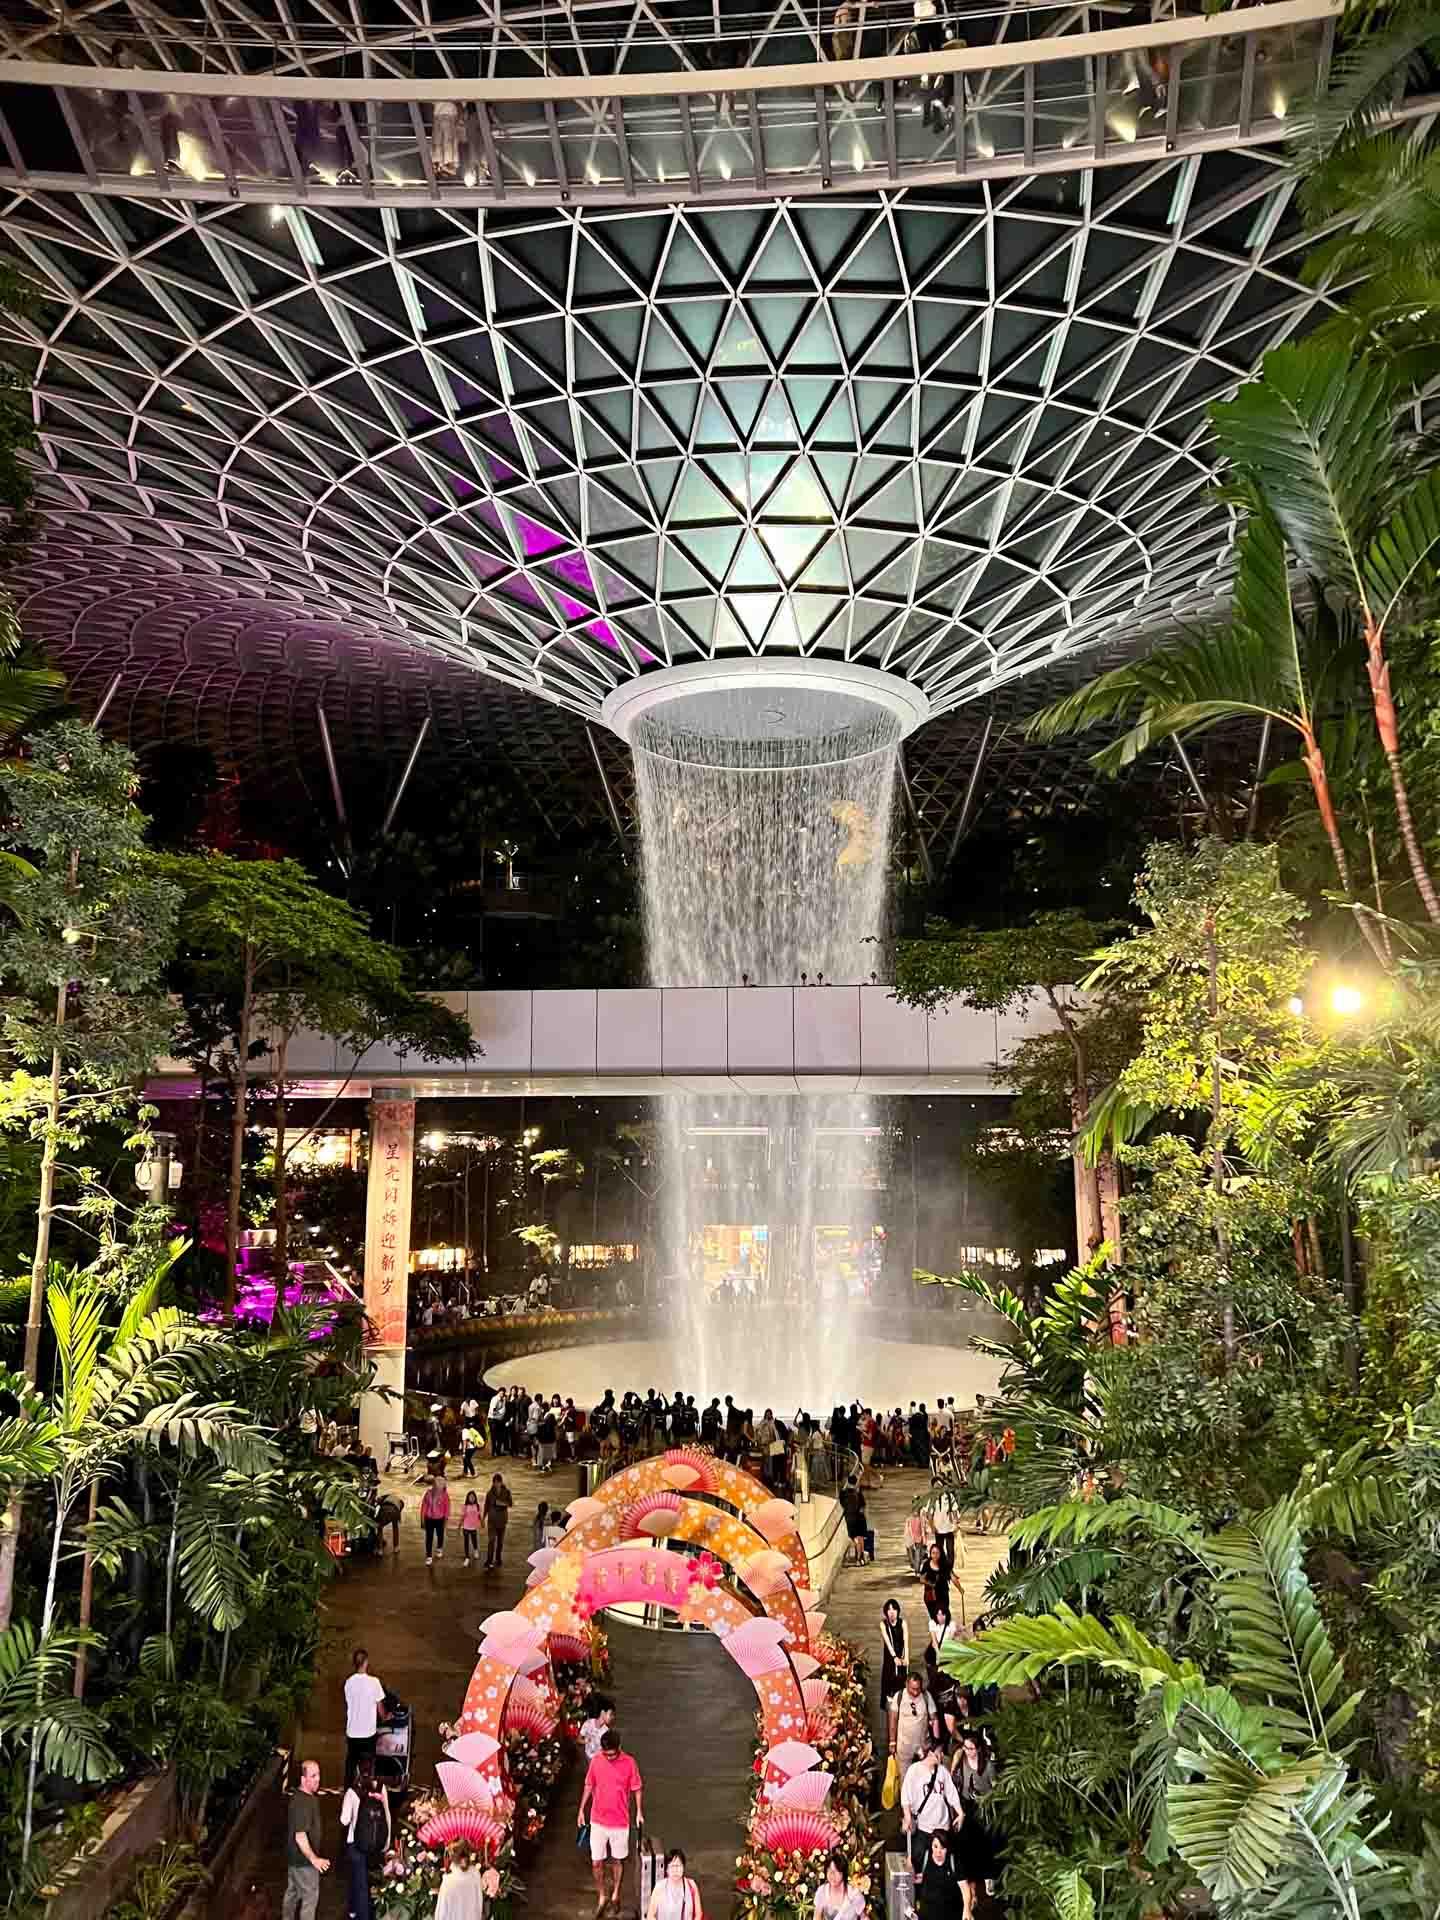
[(387, 1219)]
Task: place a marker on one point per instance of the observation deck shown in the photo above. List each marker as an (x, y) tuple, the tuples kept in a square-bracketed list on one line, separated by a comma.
[(584, 105)]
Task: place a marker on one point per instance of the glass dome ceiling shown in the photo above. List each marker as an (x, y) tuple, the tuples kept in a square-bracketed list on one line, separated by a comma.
[(956, 435)]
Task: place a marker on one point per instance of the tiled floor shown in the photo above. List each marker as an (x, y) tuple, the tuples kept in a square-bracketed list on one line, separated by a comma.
[(685, 1711)]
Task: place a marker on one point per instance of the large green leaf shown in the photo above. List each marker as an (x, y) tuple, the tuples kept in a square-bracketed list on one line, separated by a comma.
[(1236, 1824), (1279, 1650), (1401, 553), (1015, 1650), (1073, 1521), (1314, 439)]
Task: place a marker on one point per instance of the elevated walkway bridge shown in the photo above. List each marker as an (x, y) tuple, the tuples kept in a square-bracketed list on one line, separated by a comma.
[(528, 106), (666, 1040)]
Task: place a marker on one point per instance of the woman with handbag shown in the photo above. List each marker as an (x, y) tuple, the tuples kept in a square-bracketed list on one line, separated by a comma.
[(676, 1896), (894, 1651)]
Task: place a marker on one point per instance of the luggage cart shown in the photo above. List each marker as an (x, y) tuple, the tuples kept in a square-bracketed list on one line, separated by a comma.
[(392, 1750)]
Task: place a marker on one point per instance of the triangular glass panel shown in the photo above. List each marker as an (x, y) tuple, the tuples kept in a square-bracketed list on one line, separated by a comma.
[(685, 264), (698, 324), (789, 547), (755, 611), (751, 566), (663, 352), (777, 317), (638, 240), (732, 236), (595, 277), (738, 345), (698, 499), (813, 614), (744, 399), (799, 496), (678, 404), (816, 345), (781, 260), (827, 569)]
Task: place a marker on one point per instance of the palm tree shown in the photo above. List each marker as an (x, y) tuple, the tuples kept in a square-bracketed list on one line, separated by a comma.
[(1318, 442), (1271, 663), (1377, 184), (131, 1394)]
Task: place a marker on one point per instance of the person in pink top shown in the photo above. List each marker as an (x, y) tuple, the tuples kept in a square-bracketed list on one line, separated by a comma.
[(435, 1511), (609, 1782)]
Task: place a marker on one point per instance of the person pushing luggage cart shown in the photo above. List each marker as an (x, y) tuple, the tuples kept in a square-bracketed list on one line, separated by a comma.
[(610, 1779)]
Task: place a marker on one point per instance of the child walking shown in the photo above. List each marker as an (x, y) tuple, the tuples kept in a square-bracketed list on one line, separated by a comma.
[(470, 1527), (434, 1512)]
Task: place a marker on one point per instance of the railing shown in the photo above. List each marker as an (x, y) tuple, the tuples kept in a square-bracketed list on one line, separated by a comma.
[(944, 113)]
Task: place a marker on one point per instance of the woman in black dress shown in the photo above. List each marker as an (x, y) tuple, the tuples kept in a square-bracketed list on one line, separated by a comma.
[(894, 1651)]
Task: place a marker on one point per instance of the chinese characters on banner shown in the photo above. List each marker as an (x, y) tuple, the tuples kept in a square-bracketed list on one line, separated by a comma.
[(387, 1219)]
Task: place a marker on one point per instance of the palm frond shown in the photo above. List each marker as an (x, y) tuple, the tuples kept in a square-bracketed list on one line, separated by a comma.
[(1236, 1825), (1042, 1586), (1314, 438), (1279, 1650), (1074, 1521), (1015, 1650), (1404, 548)]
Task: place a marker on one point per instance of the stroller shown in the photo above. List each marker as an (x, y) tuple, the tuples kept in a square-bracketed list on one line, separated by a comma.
[(392, 1746)]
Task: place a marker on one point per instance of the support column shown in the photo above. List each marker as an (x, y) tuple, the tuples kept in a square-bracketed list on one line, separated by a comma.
[(387, 1260)]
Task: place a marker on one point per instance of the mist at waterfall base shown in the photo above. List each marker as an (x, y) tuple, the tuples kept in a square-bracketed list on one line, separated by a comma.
[(765, 823)]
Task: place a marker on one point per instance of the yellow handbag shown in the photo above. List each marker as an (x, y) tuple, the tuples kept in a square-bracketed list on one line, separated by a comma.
[(890, 1792)]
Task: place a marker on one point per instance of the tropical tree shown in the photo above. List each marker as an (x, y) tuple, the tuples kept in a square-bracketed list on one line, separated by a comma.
[(1250, 1781), (1050, 1396), (1277, 662), (1319, 442), (286, 955), (82, 975), (130, 1391), (998, 970)]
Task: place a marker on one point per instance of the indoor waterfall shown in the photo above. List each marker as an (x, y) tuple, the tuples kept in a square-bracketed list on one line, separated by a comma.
[(765, 822)]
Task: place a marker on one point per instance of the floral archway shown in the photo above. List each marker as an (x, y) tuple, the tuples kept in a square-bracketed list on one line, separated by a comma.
[(537, 1660)]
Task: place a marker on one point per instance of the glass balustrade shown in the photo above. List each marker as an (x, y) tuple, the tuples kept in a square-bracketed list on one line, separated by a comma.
[(916, 114)]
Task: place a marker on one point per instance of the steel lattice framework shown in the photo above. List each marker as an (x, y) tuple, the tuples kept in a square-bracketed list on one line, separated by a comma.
[(957, 435)]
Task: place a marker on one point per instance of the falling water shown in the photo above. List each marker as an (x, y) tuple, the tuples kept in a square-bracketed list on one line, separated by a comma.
[(765, 819)]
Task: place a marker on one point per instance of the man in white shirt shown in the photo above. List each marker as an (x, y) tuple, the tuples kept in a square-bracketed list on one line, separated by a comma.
[(945, 1416), (593, 1730), (364, 1710), (942, 1519), (470, 1410), (929, 1803), (913, 1720)]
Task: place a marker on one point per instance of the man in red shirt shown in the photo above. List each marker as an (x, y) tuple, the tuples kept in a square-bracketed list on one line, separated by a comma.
[(609, 1782)]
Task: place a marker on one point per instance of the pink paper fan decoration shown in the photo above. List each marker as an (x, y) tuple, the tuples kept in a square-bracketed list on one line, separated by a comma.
[(773, 1518), (473, 1749), (653, 1513), (814, 1626), (765, 1574), (524, 1717), (513, 1653), (462, 1784), (568, 1649), (816, 1695), (700, 1464), (585, 1508), (476, 1826), (791, 1756), (806, 1791), (819, 1725), (807, 1597), (794, 1832), (681, 1477), (543, 1557), (507, 1625), (756, 1647), (804, 1664), (754, 1658)]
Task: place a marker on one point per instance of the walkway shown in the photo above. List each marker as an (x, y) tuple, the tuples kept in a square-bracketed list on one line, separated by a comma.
[(685, 1712)]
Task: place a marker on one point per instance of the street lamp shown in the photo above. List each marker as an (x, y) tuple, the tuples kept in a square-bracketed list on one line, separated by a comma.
[(159, 1172)]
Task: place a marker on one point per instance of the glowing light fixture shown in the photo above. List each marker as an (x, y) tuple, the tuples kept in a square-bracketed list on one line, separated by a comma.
[(1346, 1000)]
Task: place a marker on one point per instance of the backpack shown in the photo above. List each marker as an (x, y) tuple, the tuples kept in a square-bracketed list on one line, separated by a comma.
[(370, 1828)]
